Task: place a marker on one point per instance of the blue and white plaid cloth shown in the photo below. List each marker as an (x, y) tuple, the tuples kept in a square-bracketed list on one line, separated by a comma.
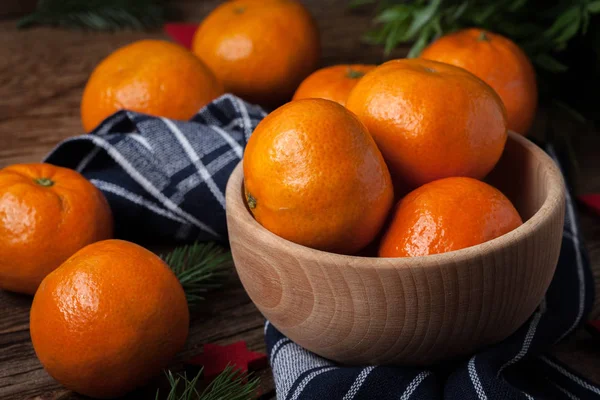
[(166, 179)]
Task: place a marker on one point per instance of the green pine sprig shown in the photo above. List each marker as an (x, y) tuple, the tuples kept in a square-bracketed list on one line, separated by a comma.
[(101, 15), (540, 27), (200, 267), (231, 384)]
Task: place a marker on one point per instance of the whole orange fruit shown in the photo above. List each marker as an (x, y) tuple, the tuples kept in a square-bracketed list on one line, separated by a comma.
[(500, 63), (332, 83), (314, 175), (149, 76), (430, 120), (260, 50), (109, 319), (47, 213), (445, 215)]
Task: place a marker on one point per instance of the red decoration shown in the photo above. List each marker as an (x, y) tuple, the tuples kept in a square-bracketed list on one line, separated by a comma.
[(181, 33), (592, 201), (215, 358)]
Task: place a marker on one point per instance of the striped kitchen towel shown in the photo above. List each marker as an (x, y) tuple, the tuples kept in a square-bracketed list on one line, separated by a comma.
[(517, 368), (165, 180)]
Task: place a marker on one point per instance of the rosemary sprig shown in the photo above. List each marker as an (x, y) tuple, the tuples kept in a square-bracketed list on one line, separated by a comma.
[(101, 15), (199, 267), (229, 385)]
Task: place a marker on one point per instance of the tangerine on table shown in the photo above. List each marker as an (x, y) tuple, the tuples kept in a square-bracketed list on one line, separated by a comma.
[(332, 83), (314, 175), (500, 63), (445, 215), (47, 213), (149, 76), (109, 319), (430, 120), (260, 50)]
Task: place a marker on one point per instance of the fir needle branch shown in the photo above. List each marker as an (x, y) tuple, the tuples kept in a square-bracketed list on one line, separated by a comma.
[(101, 15), (229, 385), (199, 267)]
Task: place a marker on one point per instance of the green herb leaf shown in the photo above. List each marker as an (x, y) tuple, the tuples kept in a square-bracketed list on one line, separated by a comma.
[(549, 63), (392, 39), (542, 32), (594, 7), (538, 32), (394, 14), (563, 22), (418, 47), (421, 18)]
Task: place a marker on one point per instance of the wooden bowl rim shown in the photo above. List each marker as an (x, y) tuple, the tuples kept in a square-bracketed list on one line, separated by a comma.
[(551, 206)]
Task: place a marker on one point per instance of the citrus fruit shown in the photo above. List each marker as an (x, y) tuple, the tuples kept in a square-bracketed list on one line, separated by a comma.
[(500, 63), (314, 175), (332, 83), (109, 319), (445, 215), (149, 76), (47, 213), (430, 120), (260, 50)]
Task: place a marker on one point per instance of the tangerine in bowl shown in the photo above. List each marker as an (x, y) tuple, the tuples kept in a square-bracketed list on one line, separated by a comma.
[(408, 310)]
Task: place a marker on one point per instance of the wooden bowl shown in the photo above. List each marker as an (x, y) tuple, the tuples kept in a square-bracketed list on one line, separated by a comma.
[(413, 311)]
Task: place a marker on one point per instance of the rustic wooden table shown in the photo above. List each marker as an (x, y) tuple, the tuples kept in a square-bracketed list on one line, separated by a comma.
[(42, 75)]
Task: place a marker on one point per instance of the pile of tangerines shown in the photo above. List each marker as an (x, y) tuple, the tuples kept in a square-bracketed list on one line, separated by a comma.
[(323, 170)]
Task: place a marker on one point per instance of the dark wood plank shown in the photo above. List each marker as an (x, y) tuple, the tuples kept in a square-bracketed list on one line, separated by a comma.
[(16, 7), (42, 75)]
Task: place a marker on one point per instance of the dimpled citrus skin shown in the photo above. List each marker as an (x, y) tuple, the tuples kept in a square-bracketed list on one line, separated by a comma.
[(430, 120), (445, 215), (109, 319), (332, 83), (261, 50), (149, 76), (500, 63), (41, 226), (313, 175)]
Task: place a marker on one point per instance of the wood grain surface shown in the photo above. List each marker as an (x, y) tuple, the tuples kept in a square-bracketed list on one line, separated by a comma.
[(16, 7), (42, 74)]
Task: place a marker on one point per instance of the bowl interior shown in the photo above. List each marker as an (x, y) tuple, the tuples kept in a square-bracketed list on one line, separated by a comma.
[(524, 173), (521, 174)]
